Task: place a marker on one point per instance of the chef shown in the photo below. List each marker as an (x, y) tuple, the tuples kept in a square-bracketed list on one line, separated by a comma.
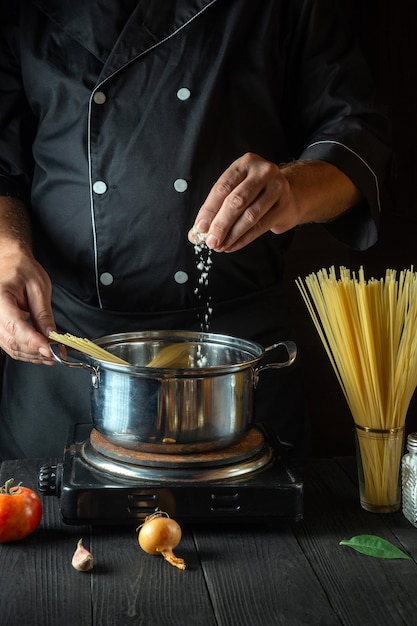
[(128, 128)]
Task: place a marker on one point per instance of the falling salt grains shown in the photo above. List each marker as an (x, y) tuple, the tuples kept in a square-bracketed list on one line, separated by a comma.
[(204, 262), (202, 360)]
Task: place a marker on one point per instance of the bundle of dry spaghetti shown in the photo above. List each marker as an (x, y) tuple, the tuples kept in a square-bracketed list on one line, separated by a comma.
[(86, 347), (369, 331), (174, 355)]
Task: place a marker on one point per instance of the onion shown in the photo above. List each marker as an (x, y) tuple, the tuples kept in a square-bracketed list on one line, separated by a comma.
[(159, 534)]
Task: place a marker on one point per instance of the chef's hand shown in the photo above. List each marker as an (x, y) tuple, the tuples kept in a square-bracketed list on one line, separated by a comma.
[(25, 292), (254, 195)]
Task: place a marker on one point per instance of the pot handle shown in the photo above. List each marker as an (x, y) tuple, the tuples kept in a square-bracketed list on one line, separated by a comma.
[(59, 359), (291, 348)]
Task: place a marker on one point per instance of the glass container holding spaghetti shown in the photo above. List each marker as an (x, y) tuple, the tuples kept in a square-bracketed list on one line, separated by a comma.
[(368, 330), (378, 453), (409, 480)]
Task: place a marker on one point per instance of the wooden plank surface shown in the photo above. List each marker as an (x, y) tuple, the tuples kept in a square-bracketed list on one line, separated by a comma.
[(260, 576), (137, 588), (257, 575), (36, 570), (361, 589), (38, 585)]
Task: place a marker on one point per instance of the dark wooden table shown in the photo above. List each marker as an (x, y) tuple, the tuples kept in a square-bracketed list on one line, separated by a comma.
[(289, 574)]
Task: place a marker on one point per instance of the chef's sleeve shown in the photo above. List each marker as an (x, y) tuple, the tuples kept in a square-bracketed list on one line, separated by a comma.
[(334, 116), (17, 123)]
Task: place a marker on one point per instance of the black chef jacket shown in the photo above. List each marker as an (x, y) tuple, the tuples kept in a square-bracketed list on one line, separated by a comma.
[(116, 121)]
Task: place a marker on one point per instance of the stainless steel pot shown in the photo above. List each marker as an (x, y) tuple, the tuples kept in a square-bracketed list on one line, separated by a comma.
[(204, 406)]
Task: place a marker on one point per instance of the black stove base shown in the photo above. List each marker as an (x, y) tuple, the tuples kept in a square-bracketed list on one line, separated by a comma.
[(88, 496)]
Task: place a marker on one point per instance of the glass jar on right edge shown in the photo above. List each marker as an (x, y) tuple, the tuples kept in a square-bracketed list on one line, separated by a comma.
[(409, 480)]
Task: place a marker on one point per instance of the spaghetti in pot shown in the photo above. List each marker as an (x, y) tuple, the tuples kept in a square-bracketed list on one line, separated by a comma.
[(174, 355), (86, 347)]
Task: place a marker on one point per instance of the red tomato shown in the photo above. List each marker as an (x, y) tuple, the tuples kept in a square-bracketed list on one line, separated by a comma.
[(20, 512)]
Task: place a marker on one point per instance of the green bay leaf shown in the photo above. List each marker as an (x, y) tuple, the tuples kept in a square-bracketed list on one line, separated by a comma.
[(371, 545)]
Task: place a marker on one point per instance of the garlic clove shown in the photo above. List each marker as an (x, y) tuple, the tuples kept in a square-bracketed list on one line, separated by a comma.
[(82, 559)]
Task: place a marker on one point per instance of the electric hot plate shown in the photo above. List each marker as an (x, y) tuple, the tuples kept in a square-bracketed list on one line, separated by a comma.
[(100, 483)]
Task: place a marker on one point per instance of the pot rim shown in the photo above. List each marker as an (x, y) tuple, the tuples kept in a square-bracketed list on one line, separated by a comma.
[(254, 350)]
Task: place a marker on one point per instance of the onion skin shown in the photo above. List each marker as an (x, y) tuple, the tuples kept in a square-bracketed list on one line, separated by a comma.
[(159, 534)]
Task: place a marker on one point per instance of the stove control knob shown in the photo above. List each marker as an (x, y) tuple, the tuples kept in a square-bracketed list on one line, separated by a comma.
[(49, 479)]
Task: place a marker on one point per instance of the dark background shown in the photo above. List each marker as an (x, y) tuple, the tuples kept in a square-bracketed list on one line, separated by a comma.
[(387, 31)]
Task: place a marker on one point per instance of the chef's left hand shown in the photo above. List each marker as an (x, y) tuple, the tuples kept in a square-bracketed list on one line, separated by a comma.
[(254, 195)]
